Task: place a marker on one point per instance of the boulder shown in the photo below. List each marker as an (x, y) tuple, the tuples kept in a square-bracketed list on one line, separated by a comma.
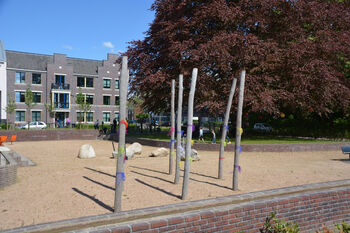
[(86, 151), (160, 152), (194, 155), (135, 148)]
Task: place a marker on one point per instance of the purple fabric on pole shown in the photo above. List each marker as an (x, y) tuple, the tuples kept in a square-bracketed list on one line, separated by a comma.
[(239, 168), (120, 177), (226, 126), (240, 148), (193, 127), (182, 132), (171, 142)]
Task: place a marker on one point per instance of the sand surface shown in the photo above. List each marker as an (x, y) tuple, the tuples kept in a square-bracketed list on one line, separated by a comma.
[(62, 186)]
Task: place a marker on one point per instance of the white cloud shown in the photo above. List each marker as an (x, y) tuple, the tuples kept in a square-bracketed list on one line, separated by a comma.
[(67, 47), (108, 44)]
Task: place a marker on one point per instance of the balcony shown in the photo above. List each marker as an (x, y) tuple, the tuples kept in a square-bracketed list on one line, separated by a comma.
[(60, 86), (61, 105)]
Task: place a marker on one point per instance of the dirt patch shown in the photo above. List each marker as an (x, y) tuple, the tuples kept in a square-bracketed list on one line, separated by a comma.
[(63, 186)]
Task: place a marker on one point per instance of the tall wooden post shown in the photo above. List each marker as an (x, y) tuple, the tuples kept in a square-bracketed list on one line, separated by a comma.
[(178, 130), (225, 128), (120, 154), (172, 129), (238, 150), (189, 134)]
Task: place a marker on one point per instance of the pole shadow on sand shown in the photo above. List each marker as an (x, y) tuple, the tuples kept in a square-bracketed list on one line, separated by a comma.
[(96, 182), (101, 172), (151, 170), (100, 203), (159, 189)]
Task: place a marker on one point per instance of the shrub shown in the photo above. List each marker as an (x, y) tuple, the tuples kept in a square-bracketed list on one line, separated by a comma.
[(274, 225)]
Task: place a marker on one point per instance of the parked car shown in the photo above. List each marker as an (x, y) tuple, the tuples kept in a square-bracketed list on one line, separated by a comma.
[(34, 125), (262, 127)]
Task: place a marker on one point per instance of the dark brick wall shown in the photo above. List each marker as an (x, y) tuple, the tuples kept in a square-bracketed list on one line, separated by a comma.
[(39, 135), (292, 147), (310, 206), (309, 211)]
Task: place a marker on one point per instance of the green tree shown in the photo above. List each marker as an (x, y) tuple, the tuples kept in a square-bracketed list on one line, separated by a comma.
[(29, 101), (83, 105), (141, 118), (50, 109), (10, 108)]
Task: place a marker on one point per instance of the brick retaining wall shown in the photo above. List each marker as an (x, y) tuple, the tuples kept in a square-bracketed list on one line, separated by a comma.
[(309, 206), (76, 134), (288, 147), (63, 134)]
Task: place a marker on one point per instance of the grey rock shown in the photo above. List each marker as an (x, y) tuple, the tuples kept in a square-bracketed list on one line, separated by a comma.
[(160, 152)]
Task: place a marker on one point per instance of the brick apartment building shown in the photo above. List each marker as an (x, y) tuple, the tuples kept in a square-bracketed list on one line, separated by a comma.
[(57, 80)]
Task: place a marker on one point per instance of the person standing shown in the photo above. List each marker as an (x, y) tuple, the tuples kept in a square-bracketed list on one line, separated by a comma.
[(227, 137), (96, 124), (214, 137), (114, 126), (201, 135)]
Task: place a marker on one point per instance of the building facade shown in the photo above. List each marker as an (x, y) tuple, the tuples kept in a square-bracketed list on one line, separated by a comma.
[(55, 81), (3, 83)]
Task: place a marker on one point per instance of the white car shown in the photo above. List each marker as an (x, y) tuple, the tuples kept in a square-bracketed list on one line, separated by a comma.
[(262, 127), (34, 125)]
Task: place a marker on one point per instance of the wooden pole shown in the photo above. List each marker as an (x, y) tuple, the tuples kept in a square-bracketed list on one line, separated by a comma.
[(225, 128), (172, 129), (120, 154), (178, 131), (238, 150), (189, 134)]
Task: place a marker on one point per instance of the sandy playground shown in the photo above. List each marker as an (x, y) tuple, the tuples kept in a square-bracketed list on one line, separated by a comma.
[(62, 186)]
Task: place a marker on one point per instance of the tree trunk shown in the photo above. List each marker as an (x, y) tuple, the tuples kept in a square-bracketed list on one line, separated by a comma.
[(236, 167), (120, 155), (189, 134), (178, 130), (225, 127), (172, 129)]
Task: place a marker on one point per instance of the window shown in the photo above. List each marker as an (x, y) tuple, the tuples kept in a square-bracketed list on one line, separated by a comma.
[(107, 117), (89, 99), (116, 84), (85, 82), (116, 116), (20, 115), (20, 77), (106, 100), (61, 100), (89, 82), (117, 101), (20, 96), (36, 78), (36, 116), (80, 82), (80, 116), (106, 83), (60, 81), (37, 97), (89, 117)]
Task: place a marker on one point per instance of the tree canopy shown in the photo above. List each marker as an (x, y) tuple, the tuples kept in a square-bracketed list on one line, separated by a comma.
[(296, 53)]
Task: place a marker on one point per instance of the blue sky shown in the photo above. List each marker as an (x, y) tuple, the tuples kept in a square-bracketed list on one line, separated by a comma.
[(79, 28)]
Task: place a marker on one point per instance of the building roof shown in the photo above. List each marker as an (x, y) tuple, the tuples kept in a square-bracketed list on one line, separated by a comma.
[(84, 66), (2, 52), (28, 61), (33, 61)]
